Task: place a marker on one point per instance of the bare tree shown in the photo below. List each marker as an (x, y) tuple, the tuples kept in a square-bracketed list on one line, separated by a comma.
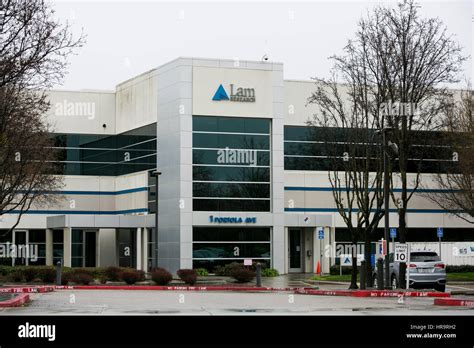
[(349, 116), (403, 64), (413, 60), (457, 181), (33, 57)]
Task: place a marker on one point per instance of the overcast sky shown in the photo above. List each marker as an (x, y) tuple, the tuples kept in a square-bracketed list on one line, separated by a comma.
[(126, 38)]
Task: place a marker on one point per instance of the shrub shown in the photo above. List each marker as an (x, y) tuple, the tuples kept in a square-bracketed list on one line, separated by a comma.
[(459, 268), (242, 275), (131, 276), (82, 278), (30, 273), (226, 270), (47, 274), (141, 275), (189, 276), (161, 276), (16, 275), (6, 270), (202, 272), (113, 273), (270, 272), (65, 277)]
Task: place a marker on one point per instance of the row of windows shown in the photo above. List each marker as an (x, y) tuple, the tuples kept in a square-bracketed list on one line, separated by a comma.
[(226, 173), (231, 124), (231, 205), (231, 190), (307, 148), (232, 141), (220, 172), (324, 164), (223, 157), (215, 246), (110, 155)]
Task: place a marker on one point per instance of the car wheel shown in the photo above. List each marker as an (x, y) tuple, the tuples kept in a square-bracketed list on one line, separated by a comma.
[(440, 287), (394, 283)]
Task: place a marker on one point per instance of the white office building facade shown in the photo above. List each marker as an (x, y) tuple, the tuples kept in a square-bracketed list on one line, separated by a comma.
[(239, 181)]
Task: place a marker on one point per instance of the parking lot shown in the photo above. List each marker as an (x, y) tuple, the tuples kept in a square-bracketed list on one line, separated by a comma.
[(122, 302)]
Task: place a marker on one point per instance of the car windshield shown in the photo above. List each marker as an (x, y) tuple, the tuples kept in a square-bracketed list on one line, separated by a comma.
[(424, 257)]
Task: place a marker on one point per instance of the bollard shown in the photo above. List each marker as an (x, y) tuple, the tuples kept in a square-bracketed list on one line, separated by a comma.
[(363, 274), (58, 273), (259, 274), (380, 274)]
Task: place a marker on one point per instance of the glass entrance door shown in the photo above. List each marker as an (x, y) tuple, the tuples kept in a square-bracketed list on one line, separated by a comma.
[(294, 251), (90, 249), (20, 241)]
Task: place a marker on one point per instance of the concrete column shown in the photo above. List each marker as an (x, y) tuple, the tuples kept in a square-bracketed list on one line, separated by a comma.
[(67, 238), (138, 257), (144, 249), (49, 247), (286, 254)]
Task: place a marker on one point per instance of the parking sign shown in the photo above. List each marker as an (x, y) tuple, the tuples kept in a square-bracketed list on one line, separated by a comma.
[(393, 233), (401, 252), (439, 232), (321, 234)]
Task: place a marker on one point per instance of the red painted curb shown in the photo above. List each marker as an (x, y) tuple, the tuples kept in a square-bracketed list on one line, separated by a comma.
[(28, 289), (372, 293), (169, 288), (454, 302), (16, 301)]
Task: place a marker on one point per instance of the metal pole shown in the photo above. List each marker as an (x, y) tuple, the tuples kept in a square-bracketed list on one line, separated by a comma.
[(58, 273), (386, 193), (439, 241), (380, 274), (408, 267), (259, 274)]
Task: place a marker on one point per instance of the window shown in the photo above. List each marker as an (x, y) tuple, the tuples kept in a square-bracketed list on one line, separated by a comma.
[(215, 246), (77, 248), (126, 242), (231, 164), (58, 246), (110, 155), (306, 148)]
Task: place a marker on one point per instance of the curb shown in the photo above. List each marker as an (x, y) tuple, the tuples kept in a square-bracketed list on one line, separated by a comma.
[(28, 289), (170, 288), (16, 301), (453, 302), (372, 293)]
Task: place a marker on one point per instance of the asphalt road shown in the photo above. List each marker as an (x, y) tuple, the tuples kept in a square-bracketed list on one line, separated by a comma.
[(116, 302)]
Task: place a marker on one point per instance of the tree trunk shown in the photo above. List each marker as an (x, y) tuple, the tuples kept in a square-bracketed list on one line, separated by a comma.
[(367, 254), (354, 268)]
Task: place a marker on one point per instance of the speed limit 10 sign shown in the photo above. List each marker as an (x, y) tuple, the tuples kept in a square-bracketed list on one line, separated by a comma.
[(401, 252)]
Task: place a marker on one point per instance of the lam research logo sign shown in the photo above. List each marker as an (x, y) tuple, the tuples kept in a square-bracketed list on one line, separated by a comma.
[(237, 94)]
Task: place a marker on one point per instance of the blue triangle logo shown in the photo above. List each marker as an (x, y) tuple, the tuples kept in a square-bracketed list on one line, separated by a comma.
[(220, 94), (347, 260)]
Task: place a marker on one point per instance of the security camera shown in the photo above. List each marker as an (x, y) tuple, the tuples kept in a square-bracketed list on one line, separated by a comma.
[(265, 58)]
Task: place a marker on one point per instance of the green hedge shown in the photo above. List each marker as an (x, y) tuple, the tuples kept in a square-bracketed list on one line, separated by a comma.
[(459, 269)]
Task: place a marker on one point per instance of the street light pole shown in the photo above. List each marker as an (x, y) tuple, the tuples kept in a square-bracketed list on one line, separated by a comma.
[(386, 192), (154, 236)]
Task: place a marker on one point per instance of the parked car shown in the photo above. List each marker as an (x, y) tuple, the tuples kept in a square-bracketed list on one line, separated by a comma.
[(425, 268)]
